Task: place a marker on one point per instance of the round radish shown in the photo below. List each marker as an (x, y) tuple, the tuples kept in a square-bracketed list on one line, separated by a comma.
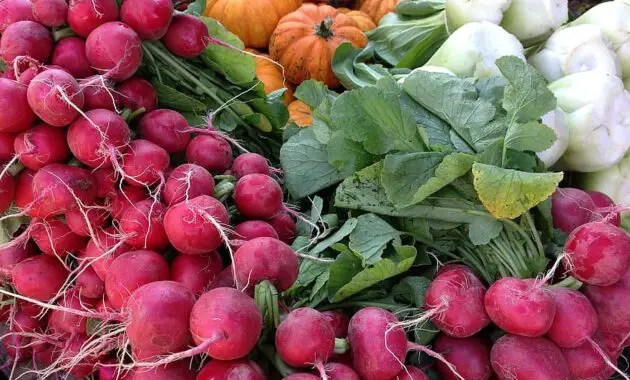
[(11, 256), (242, 369), (72, 349), (76, 219), (53, 237), (338, 321), (6, 146), (115, 50), (585, 362), (13, 11), (86, 15), (173, 371), (107, 182), (411, 373), (301, 376), (186, 182), (69, 53), (266, 259), (54, 95), (15, 113), (23, 189), (284, 225), (39, 277), (136, 93), (123, 199), (187, 36), (515, 357), (213, 153), (603, 201), (143, 225), (305, 338), (612, 306), (338, 371), (145, 163), (7, 191), (25, 38), (100, 95), (252, 229), (258, 196), (571, 208), (66, 322), (470, 356), (165, 128), (250, 163), (89, 284), (41, 145), (575, 320), (225, 279), (51, 13), (102, 254), (196, 272), (149, 18)]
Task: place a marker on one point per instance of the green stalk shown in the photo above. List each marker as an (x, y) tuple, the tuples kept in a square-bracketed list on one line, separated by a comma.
[(362, 304), (532, 227), (341, 345)]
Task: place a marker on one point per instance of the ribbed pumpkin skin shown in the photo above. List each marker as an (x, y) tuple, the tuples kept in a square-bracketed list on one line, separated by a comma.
[(300, 114), (377, 8), (270, 74), (299, 45), (253, 21), (333, 3), (363, 19)]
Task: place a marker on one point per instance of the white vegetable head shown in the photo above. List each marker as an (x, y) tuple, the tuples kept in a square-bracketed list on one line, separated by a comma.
[(555, 120), (532, 21), (575, 49), (460, 12), (597, 109), (474, 48), (614, 182)]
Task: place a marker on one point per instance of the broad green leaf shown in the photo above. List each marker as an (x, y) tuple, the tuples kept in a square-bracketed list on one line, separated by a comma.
[(346, 155), (319, 286), (523, 161), (419, 8), (435, 131), (370, 237), (10, 226), (417, 227), (482, 232), (310, 270), (197, 8), (349, 66), (313, 93), (508, 193), (492, 89), (484, 137), (425, 332), (452, 167), (532, 136), (322, 121), (339, 235), (273, 108), (411, 289), (173, 99)]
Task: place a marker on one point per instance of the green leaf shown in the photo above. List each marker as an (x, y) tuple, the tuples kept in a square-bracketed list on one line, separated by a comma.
[(492, 89), (197, 8), (532, 136), (339, 235), (419, 7), (10, 226), (425, 332), (508, 193), (370, 237), (346, 155), (313, 93), (452, 167), (482, 138), (173, 99), (349, 66), (411, 290), (482, 232), (322, 121)]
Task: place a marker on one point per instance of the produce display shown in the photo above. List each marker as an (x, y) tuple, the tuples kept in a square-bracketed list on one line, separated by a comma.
[(330, 189)]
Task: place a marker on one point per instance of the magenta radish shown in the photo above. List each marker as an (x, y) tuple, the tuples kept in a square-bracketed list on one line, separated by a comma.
[(187, 36), (143, 225), (266, 259), (258, 196), (55, 96), (210, 152), (71, 350), (86, 15), (227, 322), (597, 253), (145, 163), (6, 146), (195, 227), (571, 208), (186, 182), (117, 61), (150, 19), (301, 376), (411, 373), (100, 95), (173, 371), (586, 363), (305, 338), (69, 53), (13, 255), (26, 38), (54, 238), (40, 146), (78, 219), (455, 301), (284, 225), (7, 191), (166, 128), (13, 11), (338, 371), (516, 357), (50, 13), (470, 356), (65, 322), (39, 277), (250, 163), (242, 369), (252, 229), (15, 113), (102, 250), (23, 189), (603, 202), (338, 321), (575, 320), (123, 199), (136, 93), (107, 182), (130, 271), (225, 279), (89, 284), (196, 272)]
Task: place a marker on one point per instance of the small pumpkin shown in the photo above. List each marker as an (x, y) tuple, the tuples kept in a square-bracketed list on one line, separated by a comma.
[(305, 40), (300, 114), (270, 73), (333, 3), (363, 19), (253, 21), (377, 8)]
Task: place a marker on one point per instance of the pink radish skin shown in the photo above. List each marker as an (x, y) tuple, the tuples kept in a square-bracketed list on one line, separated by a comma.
[(13, 11), (123, 199), (187, 181), (339, 321), (212, 153), (23, 189), (612, 304), (26, 38), (187, 36), (40, 146), (99, 96), (15, 113), (136, 93), (301, 376), (71, 350), (7, 191), (225, 279), (145, 163), (166, 128), (515, 357), (8, 75), (411, 373), (305, 338), (196, 272), (597, 253), (63, 322), (191, 226), (149, 18), (50, 13), (98, 218), (159, 313), (17, 348), (258, 196), (571, 208), (90, 285), (603, 201), (147, 266), (284, 225), (585, 363), (29, 308), (173, 371), (106, 242), (11, 256), (575, 320), (120, 60), (242, 369), (252, 229), (230, 319), (250, 163), (6, 146), (338, 371), (520, 307), (266, 259), (470, 356), (45, 96), (143, 225), (458, 298), (54, 238), (69, 53), (39, 277), (107, 182), (86, 15)]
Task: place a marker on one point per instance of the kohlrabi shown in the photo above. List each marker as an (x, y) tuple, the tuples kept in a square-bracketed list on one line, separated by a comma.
[(531, 21), (614, 181), (461, 12), (557, 121)]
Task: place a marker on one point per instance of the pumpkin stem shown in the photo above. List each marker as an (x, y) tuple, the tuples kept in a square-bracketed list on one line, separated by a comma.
[(324, 30)]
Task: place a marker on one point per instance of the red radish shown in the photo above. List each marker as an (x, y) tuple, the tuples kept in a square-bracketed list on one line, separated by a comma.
[(45, 353), (250, 163), (54, 95), (173, 371), (194, 227), (130, 271), (136, 93), (53, 237), (187, 36), (123, 199), (227, 322), (252, 229), (338, 371), (72, 349), (258, 196), (100, 95), (23, 189), (11, 256), (7, 191), (521, 307), (597, 253), (89, 284), (305, 338), (40, 146), (575, 320), (145, 163), (613, 309), (455, 300), (149, 18), (515, 357), (143, 225), (242, 369), (25, 38), (284, 225), (339, 322), (225, 279), (107, 183), (571, 208), (213, 153), (29, 308), (6, 146), (165, 128), (411, 373), (66, 322), (13, 11), (470, 356), (50, 13), (15, 113), (39, 277), (119, 60), (107, 372), (103, 249), (76, 219), (94, 138), (186, 182), (26, 76), (603, 201), (69, 53), (8, 75), (266, 259), (301, 376), (585, 362), (196, 272), (86, 15)]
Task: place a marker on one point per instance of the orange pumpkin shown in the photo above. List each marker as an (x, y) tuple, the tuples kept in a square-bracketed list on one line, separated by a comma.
[(252, 21), (377, 8), (305, 40), (300, 114), (363, 19), (333, 3), (270, 73)]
